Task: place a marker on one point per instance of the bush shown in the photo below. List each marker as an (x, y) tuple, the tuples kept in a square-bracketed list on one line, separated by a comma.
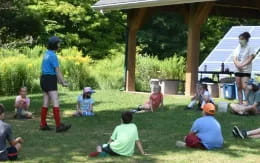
[(150, 67), (22, 68), (109, 72), (16, 72), (76, 71)]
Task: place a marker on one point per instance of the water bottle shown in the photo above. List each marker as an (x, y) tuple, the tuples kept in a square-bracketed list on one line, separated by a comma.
[(222, 67), (205, 68)]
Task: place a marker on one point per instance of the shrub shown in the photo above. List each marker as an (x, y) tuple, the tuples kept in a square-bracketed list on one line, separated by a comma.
[(22, 68), (146, 69), (109, 72), (76, 71), (150, 67), (16, 72)]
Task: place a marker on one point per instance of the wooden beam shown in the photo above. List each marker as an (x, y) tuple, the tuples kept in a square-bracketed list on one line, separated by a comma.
[(258, 5), (202, 12), (249, 4), (236, 12), (198, 13), (135, 19)]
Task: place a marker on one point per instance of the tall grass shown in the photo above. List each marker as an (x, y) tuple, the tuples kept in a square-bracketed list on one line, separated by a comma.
[(151, 67), (109, 73), (21, 67)]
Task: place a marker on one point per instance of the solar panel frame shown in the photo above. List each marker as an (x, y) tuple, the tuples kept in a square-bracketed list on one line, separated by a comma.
[(224, 49)]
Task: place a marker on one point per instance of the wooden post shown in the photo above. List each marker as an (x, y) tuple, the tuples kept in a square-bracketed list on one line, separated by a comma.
[(131, 59), (135, 18), (198, 13)]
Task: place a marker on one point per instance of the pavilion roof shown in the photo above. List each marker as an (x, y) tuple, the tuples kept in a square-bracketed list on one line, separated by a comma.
[(107, 5)]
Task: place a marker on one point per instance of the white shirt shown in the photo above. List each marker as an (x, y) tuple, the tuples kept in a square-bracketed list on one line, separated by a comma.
[(242, 53)]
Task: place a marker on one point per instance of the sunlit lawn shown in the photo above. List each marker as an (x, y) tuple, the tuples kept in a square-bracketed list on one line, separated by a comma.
[(158, 131)]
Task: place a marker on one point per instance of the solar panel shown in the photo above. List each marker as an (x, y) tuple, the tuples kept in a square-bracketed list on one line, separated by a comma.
[(218, 56), (256, 32), (236, 30), (227, 44), (224, 49)]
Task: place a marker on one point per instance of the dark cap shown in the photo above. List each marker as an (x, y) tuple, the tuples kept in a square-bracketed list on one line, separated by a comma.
[(54, 40)]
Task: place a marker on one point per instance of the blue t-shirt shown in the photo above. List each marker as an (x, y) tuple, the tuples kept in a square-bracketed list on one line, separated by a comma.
[(85, 103), (49, 63), (208, 129)]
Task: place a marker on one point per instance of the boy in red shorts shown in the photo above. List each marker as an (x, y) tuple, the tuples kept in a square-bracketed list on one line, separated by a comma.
[(205, 132)]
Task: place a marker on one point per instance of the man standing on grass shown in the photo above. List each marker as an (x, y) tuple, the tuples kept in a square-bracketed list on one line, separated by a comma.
[(11, 152), (205, 132)]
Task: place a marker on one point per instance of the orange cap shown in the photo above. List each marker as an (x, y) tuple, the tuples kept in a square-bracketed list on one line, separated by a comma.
[(209, 108)]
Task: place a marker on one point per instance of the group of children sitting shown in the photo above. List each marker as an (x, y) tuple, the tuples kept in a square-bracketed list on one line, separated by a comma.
[(251, 105), (84, 104), (205, 132)]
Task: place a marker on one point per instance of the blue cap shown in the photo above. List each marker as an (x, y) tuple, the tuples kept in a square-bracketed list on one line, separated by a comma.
[(252, 82), (54, 40)]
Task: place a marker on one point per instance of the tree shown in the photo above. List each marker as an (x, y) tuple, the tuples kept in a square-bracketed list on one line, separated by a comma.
[(164, 35)]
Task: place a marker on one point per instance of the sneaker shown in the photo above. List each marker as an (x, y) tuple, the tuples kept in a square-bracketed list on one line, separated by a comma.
[(133, 111), (45, 128), (63, 128), (180, 144), (238, 132), (234, 133)]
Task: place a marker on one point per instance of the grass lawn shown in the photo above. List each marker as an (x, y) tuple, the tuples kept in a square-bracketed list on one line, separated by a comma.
[(158, 131)]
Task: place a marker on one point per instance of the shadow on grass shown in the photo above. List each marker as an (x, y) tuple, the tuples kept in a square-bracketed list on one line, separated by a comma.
[(158, 131)]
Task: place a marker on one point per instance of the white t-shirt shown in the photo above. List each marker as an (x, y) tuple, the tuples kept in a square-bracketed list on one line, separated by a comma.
[(242, 53), (25, 103)]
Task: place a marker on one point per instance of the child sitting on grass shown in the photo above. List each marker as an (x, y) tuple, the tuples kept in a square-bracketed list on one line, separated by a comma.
[(8, 153), (123, 140), (85, 103), (202, 96), (205, 132), (22, 104), (252, 105), (246, 134), (154, 103)]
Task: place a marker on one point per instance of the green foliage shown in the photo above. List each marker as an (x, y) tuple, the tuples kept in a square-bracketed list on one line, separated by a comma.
[(163, 35), (79, 25), (30, 23), (17, 71), (22, 68), (109, 72), (76, 71), (151, 67)]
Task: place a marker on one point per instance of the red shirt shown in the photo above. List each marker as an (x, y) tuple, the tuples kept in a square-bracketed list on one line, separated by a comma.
[(156, 99)]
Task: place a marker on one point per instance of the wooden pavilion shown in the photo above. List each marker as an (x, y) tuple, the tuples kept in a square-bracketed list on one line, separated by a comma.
[(195, 13)]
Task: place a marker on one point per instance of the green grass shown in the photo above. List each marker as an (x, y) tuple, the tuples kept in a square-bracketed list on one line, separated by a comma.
[(158, 131)]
